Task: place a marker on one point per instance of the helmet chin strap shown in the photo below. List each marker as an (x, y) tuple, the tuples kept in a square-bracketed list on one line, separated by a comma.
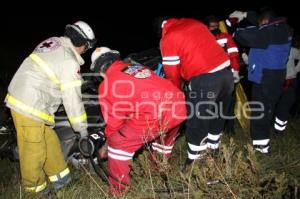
[(91, 43)]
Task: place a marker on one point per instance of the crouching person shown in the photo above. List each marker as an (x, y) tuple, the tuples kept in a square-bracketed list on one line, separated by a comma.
[(138, 107)]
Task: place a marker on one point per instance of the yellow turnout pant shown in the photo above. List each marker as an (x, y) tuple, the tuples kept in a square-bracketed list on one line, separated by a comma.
[(39, 151)]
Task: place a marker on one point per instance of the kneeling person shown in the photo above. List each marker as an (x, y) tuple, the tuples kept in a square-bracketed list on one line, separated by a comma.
[(138, 107)]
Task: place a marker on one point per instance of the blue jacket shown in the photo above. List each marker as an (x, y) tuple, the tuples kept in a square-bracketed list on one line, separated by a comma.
[(269, 44)]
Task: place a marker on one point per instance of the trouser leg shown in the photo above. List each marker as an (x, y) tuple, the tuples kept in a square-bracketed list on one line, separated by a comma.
[(121, 149), (283, 108), (55, 165), (32, 151), (266, 95), (164, 143), (200, 112), (217, 125)]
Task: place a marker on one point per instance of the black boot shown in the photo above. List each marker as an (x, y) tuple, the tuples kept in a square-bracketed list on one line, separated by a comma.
[(187, 164)]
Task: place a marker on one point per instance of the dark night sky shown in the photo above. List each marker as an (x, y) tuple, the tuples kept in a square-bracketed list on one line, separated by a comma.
[(125, 29)]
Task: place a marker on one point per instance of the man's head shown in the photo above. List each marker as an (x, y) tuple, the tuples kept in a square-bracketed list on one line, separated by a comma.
[(212, 22), (266, 14), (81, 35), (102, 58)]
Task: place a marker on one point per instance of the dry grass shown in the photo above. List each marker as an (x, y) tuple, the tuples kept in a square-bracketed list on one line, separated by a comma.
[(237, 173)]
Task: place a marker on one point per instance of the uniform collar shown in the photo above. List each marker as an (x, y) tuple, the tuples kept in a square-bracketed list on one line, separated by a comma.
[(116, 66), (67, 42)]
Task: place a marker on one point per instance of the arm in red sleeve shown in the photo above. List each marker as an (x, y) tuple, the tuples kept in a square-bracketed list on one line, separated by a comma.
[(171, 62), (114, 111), (233, 53), (113, 118)]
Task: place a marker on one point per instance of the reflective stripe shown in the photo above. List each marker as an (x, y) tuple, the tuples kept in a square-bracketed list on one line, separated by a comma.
[(280, 122), (232, 50), (20, 105), (163, 151), (171, 63), (222, 41), (213, 146), (162, 146), (45, 67), (75, 120), (213, 137), (37, 188), (60, 175), (194, 157), (163, 23), (228, 23), (190, 86), (263, 150), (69, 85), (118, 157), (171, 58), (261, 142), (197, 148), (119, 152), (279, 128)]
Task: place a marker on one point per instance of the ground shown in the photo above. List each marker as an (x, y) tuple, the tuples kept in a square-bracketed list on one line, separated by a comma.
[(238, 172)]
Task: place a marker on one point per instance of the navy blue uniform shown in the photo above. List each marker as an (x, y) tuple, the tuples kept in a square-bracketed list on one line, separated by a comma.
[(269, 50)]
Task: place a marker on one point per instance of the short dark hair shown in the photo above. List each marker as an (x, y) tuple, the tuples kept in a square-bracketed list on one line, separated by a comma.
[(267, 13), (210, 19)]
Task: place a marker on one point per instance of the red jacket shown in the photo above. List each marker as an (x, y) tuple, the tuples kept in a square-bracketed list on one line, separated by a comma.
[(226, 42), (135, 96), (189, 49)]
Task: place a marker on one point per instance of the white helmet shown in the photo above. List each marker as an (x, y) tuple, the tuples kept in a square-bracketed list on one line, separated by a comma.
[(101, 51), (85, 31)]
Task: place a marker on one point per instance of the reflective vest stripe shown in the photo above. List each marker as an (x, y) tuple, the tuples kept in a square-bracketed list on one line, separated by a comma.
[(60, 175), (69, 85), (27, 109), (232, 50), (45, 67), (79, 119)]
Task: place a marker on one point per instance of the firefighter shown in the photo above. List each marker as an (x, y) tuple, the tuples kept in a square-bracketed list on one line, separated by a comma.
[(49, 76), (288, 96), (191, 53), (270, 42), (138, 107)]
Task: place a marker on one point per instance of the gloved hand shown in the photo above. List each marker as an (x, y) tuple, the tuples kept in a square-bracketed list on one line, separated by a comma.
[(239, 15), (103, 151), (236, 76)]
